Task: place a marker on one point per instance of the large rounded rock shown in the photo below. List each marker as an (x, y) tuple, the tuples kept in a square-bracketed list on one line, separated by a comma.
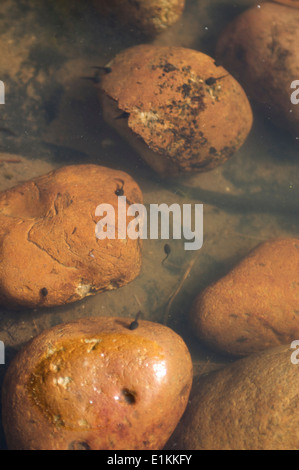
[(289, 3), (97, 384), (50, 254), (150, 16), (178, 109), (260, 48), (256, 305), (251, 405)]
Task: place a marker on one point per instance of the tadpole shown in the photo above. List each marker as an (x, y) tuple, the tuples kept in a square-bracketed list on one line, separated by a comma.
[(120, 190), (44, 292), (134, 325), (167, 251), (123, 115), (212, 80), (96, 78), (104, 70)]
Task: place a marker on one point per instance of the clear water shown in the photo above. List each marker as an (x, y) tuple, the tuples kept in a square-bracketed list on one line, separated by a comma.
[(53, 118)]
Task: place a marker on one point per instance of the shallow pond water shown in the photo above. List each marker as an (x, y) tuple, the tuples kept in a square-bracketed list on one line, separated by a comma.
[(52, 117)]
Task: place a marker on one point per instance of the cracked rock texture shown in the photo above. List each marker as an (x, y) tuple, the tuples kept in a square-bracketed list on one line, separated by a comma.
[(255, 306), (49, 251), (184, 113)]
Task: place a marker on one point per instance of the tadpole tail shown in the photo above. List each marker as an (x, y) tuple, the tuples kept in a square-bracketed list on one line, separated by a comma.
[(95, 79), (8, 131), (105, 70), (165, 259)]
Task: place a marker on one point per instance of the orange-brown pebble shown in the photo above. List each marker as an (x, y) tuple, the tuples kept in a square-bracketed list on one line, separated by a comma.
[(96, 384), (256, 305), (249, 405), (260, 48), (179, 110), (49, 251), (150, 16), (289, 3)]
